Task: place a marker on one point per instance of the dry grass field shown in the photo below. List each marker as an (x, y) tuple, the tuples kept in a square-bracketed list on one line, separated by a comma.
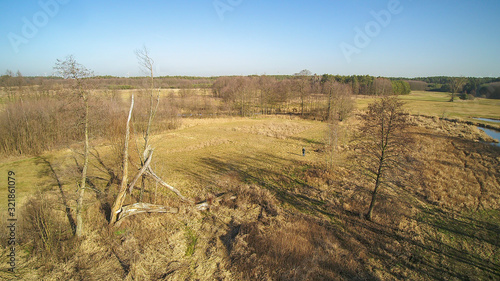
[(437, 104), (275, 214)]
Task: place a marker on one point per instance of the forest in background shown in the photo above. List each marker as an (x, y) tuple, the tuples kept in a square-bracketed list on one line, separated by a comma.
[(269, 207), (40, 113), (486, 87)]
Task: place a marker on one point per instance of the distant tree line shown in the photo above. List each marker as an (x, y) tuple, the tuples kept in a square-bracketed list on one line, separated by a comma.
[(486, 87), (362, 84), (9, 79), (310, 96)]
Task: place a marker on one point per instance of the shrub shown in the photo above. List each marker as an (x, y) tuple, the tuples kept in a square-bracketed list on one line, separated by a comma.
[(465, 96), (45, 230)]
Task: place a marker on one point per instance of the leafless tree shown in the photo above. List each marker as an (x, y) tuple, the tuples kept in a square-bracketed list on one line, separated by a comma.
[(456, 86), (266, 85), (302, 88), (339, 100), (384, 130), (120, 198), (118, 211), (339, 106), (382, 87), (9, 83), (70, 69), (147, 65)]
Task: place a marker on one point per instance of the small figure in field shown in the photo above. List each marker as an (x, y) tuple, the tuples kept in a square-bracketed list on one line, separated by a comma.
[(303, 152)]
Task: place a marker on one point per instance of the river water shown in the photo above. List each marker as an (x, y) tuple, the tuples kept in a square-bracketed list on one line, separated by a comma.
[(489, 120), (491, 133)]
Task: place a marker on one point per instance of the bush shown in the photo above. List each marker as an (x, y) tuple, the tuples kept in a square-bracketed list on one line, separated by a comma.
[(35, 124), (32, 126), (465, 96), (45, 230)]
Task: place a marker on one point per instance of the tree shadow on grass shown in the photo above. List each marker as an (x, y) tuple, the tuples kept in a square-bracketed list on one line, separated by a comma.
[(391, 247), (50, 171), (453, 240)]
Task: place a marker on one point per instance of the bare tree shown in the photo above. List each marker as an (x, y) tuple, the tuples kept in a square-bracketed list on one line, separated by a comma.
[(382, 87), (9, 83), (120, 198), (456, 86), (70, 69), (147, 65), (339, 100), (265, 85), (384, 129), (118, 211), (339, 106), (302, 87)]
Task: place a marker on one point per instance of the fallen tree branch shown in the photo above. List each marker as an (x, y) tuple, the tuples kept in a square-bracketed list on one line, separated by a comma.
[(138, 208), (141, 171), (150, 172), (202, 206)]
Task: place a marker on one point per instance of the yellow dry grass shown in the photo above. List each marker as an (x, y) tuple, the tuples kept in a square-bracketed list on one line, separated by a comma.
[(290, 218), (438, 104)]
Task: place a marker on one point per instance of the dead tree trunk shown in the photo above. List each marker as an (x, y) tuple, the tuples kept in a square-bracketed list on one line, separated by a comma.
[(123, 187), (145, 166), (118, 211)]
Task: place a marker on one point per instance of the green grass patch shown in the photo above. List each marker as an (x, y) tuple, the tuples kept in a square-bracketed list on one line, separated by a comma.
[(30, 177), (191, 241), (438, 104)]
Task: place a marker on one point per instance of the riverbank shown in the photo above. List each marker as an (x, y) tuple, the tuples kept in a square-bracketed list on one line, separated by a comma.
[(456, 127)]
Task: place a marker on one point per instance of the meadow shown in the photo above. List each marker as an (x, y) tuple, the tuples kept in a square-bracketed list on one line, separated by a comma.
[(438, 104), (275, 214)]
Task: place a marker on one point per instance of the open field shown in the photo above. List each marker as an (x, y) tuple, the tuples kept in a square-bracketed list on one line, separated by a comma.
[(437, 104), (289, 212), (275, 214), (235, 140)]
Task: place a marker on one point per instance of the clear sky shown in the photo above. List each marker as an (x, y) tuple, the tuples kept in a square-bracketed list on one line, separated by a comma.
[(407, 38)]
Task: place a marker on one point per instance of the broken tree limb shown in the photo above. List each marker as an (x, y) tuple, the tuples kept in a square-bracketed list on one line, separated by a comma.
[(202, 206), (117, 205), (213, 199), (140, 207), (150, 172), (141, 171)]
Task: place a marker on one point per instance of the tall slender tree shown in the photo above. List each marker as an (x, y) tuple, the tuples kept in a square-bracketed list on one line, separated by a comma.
[(384, 130), (147, 65), (69, 68)]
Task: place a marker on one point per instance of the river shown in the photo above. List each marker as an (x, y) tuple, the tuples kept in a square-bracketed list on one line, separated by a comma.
[(492, 133)]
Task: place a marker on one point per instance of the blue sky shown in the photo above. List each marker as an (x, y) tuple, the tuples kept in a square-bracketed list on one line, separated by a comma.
[(410, 38)]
